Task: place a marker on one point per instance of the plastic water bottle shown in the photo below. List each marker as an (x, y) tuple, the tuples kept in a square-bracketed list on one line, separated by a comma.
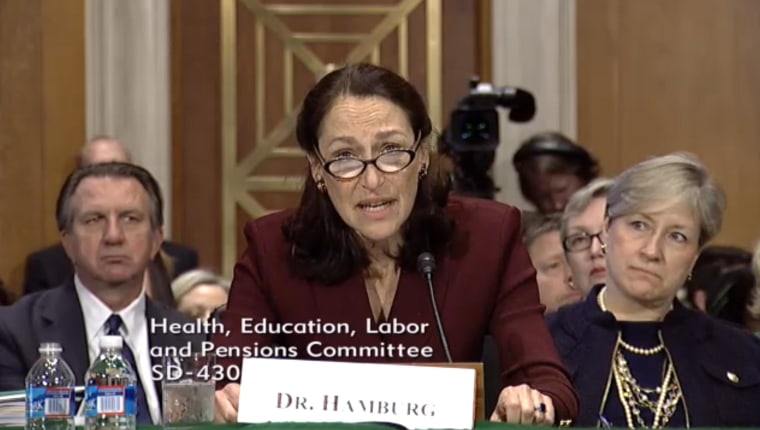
[(50, 391), (110, 390)]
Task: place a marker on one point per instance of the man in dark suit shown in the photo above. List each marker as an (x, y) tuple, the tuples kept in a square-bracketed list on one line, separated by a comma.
[(110, 218), (51, 267)]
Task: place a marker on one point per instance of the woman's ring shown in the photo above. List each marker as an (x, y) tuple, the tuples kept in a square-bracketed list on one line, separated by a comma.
[(541, 408)]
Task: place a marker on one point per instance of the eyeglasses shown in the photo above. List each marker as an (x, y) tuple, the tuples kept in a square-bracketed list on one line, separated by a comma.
[(391, 161), (580, 241)]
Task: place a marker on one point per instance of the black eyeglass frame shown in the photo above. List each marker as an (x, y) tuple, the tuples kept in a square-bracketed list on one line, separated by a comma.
[(566, 245), (411, 151)]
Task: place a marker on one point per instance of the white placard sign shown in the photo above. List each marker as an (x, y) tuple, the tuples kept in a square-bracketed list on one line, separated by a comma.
[(417, 397)]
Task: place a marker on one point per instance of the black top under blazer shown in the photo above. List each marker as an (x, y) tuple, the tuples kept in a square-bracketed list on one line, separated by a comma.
[(718, 365)]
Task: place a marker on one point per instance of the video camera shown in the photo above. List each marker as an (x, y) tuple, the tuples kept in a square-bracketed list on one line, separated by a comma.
[(474, 124)]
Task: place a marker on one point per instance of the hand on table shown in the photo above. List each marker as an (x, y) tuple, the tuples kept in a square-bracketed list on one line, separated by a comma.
[(226, 402), (523, 405)]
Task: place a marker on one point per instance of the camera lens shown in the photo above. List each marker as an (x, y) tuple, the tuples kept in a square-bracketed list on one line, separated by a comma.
[(475, 131)]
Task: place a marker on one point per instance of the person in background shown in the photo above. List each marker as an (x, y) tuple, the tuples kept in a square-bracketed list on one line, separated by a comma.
[(374, 204), (5, 295), (713, 262), (753, 307), (158, 278), (51, 267), (581, 230), (103, 149), (199, 292), (555, 284), (110, 217), (729, 297), (637, 356), (722, 285), (550, 168)]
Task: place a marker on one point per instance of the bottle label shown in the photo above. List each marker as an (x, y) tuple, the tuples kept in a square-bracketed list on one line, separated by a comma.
[(112, 400), (50, 402)]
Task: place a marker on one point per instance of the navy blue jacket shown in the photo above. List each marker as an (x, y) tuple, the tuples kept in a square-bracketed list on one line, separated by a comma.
[(706, 353)]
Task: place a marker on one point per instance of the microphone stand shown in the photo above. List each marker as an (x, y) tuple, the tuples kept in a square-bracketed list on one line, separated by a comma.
[(426, 266)]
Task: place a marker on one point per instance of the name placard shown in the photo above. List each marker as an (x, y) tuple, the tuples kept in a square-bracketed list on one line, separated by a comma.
[(274, 390)]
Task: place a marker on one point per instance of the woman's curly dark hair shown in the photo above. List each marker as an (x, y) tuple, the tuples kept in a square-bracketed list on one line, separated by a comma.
[(324, 248)]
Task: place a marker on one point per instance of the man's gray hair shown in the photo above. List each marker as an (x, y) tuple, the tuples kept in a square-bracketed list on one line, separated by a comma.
[(534, 224)]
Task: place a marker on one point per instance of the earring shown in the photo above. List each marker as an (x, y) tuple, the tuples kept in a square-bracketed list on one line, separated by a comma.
[(321, 185), (423, 171), (604, 248), (688, 278)]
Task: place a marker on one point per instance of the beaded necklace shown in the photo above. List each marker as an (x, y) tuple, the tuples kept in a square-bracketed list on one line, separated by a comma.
[(633, 396)]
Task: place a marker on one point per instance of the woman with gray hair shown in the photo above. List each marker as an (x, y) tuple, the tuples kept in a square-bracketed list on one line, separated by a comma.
[(199, 292), (637, 357)]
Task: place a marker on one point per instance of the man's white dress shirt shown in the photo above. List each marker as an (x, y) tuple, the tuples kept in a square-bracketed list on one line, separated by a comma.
[(134, 330)]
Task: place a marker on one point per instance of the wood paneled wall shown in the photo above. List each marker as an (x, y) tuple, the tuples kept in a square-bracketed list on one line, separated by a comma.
[(196, 109), (658, 76), (654, 76), (42, 121)]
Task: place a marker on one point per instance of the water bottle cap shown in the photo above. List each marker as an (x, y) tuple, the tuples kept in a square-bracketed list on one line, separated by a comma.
[(48, 347), (111, 342)]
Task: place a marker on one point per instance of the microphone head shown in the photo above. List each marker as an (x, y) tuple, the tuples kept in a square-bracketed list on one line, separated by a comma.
[(426, 264), (524, 107)]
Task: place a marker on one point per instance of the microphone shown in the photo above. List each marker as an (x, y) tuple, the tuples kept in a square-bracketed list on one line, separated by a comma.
[(426, 267), (522, 104)]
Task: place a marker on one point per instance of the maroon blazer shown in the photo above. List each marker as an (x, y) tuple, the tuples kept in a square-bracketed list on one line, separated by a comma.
[(484, 283)]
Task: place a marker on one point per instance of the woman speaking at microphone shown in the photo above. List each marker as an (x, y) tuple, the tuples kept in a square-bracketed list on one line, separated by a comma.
[(343, 266)]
